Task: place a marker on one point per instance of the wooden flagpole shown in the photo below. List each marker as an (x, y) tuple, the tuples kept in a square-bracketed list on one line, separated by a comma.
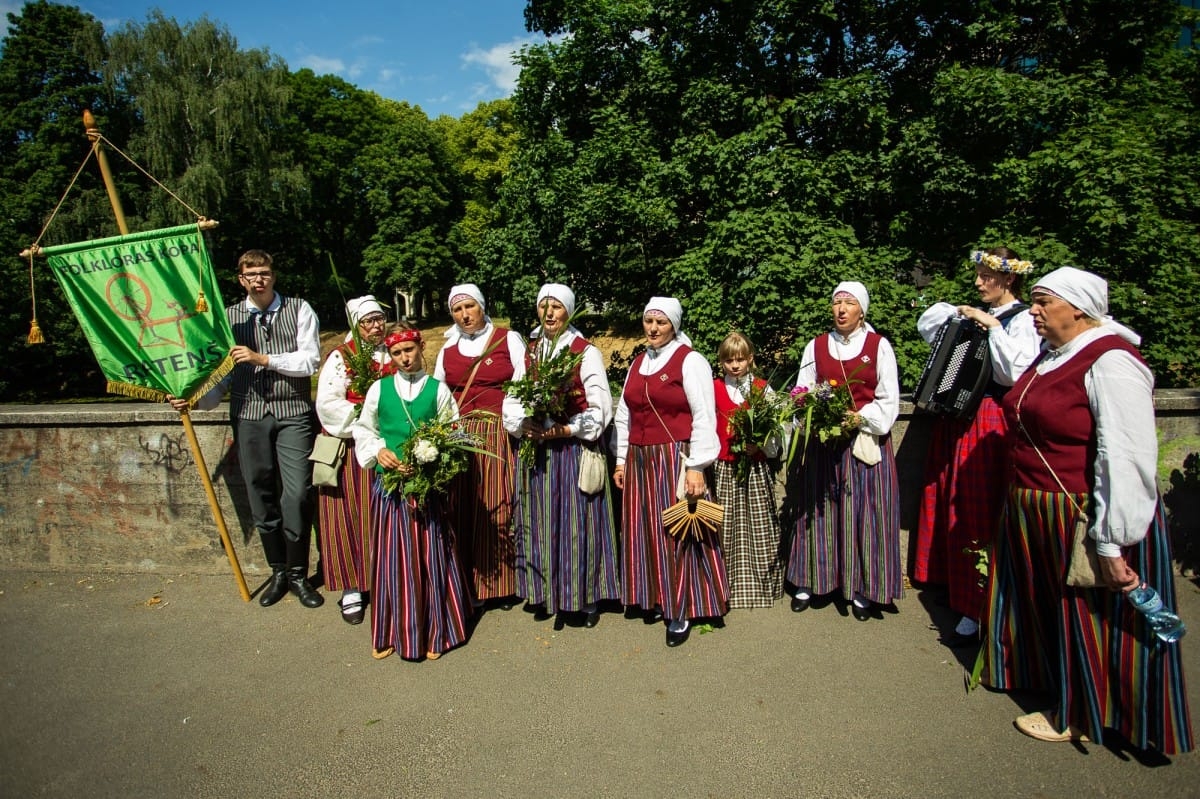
[(93, 134)]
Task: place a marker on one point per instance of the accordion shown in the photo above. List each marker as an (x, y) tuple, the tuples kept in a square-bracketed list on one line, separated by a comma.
[(958, 371)]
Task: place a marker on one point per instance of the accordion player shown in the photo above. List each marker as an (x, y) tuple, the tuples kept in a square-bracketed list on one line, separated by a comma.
[(959, 369)]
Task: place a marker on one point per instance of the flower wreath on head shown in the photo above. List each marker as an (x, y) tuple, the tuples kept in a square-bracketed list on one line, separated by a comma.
[(998, 264)]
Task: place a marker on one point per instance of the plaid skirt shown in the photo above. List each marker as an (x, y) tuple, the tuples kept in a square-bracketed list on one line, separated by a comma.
[(750, 535)]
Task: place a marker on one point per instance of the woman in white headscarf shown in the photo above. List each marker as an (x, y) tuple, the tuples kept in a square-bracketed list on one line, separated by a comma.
[(343, 509), (565, 538), (666, 422), (844, 494), (476, 360), (1081, 427)]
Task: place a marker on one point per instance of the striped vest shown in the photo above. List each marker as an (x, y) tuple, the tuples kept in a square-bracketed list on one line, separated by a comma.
[(256, 390)]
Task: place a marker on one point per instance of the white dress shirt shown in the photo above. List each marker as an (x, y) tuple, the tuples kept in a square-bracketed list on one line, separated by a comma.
[(697, 385), (880, 414)]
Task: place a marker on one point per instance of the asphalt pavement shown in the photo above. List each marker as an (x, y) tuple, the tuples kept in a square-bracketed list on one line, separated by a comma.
[(149, 686)]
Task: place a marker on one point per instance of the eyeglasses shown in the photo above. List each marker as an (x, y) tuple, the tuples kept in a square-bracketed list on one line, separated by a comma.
[(372, 321), (249, 276)]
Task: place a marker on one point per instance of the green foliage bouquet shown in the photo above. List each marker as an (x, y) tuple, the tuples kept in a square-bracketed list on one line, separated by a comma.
[(437, 451), (545, 389), (766, 415), (358, 355)]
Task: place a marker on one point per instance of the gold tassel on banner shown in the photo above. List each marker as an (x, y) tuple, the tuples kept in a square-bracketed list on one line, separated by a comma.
[(201, 303), (35, 333)]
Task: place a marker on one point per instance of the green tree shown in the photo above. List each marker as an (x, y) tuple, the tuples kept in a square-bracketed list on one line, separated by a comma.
[(46, 82)]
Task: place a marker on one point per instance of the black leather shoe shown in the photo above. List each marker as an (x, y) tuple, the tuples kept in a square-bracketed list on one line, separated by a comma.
[(308, 597), (276, 589), (676, 639), (957, 640), (591, 619), (862, 614), (799, 605), (653, 616)]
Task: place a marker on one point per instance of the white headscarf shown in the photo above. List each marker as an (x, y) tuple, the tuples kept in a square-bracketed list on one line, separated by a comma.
[(1086, 291), (856, 290), (558, 291), (362, 306), (457, 294), (673, 310)]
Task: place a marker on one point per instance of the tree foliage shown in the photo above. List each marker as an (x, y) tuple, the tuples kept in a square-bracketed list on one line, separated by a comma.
[(748, 156)]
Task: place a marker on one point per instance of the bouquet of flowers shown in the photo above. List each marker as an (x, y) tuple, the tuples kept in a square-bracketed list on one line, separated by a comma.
[(766, 414), (437, 451), (358, 356), (824, 408), (545, 389)]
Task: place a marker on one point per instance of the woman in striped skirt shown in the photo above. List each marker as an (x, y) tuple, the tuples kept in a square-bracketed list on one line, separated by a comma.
[(1081, 427), (962, 496), (343, 510), (421, 600), (847, 510), (666, 423), (475, 361), (566, 543), (750, 530)]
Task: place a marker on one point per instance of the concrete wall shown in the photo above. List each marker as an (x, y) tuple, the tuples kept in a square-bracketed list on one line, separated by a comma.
[(114, 487)]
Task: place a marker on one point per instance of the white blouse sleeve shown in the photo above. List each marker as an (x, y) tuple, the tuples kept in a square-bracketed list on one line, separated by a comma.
[(807, 376), (1013, 349), (933, 318), (698, 386), (590, 423), (620, 439), (333, 409), (367, 441), (1121, 395)]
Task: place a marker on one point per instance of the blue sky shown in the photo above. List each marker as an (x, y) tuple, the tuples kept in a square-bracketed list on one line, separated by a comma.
[(446, 56)]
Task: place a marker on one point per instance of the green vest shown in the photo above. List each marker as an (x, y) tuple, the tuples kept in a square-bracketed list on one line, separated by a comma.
[(397, 416)]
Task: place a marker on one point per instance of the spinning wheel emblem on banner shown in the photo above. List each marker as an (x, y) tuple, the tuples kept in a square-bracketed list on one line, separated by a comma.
[(131, 299)]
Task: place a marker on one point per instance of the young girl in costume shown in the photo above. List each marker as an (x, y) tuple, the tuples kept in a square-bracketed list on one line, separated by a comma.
[(750, 532), (420, 602)]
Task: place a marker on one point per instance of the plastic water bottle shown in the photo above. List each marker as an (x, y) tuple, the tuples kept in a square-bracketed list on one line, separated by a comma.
[(1166, 625)]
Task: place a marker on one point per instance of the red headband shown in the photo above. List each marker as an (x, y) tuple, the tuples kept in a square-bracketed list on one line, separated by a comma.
[(402, 335)]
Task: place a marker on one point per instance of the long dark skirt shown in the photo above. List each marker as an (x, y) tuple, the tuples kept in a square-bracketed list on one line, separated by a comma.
[(1086, 646), (847, 529), (566, 544)]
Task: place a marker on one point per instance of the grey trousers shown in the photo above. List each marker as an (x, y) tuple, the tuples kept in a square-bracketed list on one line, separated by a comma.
[(273, 454)]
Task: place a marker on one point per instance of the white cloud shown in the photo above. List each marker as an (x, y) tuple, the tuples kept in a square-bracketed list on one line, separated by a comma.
[(497, 62), (322, 65)]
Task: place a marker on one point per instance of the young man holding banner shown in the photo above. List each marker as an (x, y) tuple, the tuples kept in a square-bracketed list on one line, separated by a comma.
[(277, 351)]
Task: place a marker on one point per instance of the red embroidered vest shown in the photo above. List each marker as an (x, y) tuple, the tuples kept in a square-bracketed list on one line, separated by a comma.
[(1055, 412), (859, 370), (725, 410), (487, 389), (659, 412)]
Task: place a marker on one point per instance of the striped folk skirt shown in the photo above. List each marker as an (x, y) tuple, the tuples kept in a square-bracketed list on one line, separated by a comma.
[(565, 539), (481, 513), (965, 482), (420, 602), (684, 577), (750, 535), (343, 512), (1086, 646), (847, 523)]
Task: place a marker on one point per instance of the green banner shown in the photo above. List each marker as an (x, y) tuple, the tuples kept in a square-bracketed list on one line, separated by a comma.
[(151, 309)]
